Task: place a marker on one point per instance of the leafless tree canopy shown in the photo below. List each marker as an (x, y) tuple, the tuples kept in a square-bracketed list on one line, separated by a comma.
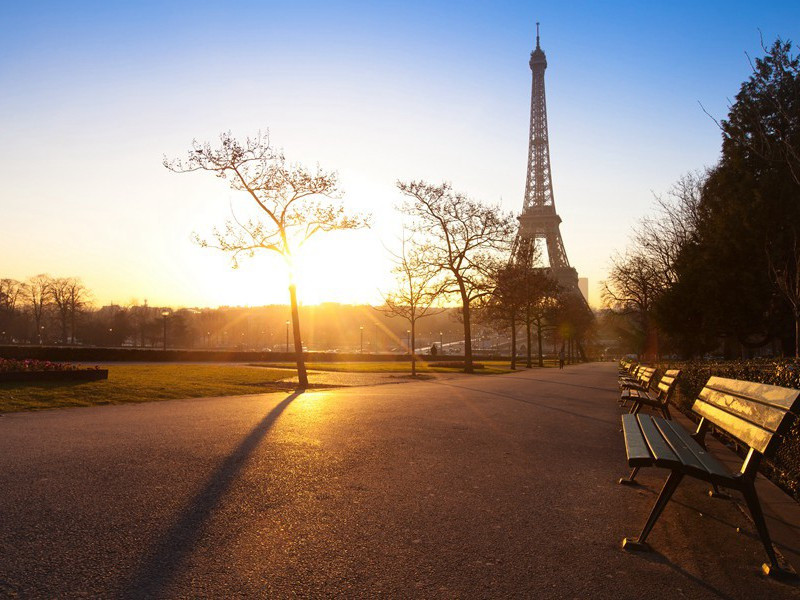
[(460, 237), (296, 203), (660, 238), (418, 286)]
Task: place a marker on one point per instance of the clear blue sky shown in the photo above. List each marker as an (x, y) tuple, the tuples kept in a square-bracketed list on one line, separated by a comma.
[(95, 93)]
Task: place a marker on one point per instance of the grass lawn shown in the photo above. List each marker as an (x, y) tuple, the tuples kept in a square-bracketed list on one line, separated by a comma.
[(143, 383), (489, 367)]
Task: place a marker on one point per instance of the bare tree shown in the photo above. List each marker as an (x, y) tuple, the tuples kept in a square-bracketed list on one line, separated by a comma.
[(461, 237), (142, 317), (69, 296), (78, 298), (505, 306), (414, 295), (542, 295), (293, 204), (10, 293), (36, 291), (631, 288), (662, 237)]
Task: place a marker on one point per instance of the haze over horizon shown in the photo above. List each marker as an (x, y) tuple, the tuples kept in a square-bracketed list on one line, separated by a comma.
[(96, 94)]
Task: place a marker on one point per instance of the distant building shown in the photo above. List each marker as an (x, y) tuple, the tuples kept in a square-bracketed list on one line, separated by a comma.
[(583, 286)]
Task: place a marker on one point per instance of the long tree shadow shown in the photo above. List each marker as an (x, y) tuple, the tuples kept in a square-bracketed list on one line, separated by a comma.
[(162, 563)]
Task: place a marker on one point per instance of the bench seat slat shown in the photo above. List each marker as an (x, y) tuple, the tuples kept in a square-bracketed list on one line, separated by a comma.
[(688, 460), (710, 464), (663, 454), (635, 446)]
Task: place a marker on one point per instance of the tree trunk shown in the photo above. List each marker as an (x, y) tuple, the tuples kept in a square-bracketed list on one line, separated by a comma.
[(528, 362), (467, 332), (513, 341), (302, 376), (539, 340), (411, 349), (63, 314)]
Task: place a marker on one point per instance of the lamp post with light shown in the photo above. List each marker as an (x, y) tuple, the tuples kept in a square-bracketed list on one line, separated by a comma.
[(361, 349), (165, 314), (287, 336)]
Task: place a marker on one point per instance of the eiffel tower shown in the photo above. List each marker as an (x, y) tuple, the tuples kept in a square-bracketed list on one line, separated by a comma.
[(539, 220)]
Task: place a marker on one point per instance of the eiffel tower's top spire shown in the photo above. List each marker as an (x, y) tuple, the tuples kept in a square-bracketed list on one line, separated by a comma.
[(537, 56)]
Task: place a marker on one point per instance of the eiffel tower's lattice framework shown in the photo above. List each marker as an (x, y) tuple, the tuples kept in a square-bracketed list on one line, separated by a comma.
[(539, 219)]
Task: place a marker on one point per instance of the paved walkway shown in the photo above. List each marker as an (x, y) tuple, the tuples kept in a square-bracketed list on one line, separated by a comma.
[(481, 487)]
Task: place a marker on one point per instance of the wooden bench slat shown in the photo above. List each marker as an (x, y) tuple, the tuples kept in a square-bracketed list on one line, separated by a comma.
[(687, 459), (635, 446), (761, 415), (773, 395), (752, 435), (710, 464), (663, 454)]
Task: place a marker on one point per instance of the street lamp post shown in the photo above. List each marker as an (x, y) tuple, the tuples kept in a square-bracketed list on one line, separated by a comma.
[(361, 350), (441, 342), (408, 340), (165, 314), (287, 337)]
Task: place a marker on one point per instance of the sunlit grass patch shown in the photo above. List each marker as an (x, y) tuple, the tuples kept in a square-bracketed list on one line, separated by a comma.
[(143, 383), (486, 367)]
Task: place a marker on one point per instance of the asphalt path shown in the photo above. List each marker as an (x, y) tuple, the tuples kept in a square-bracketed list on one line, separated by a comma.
[(472, 487)]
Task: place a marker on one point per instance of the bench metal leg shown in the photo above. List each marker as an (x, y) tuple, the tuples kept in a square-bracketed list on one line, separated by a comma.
[(670, 486), (715, 493), (665, 411), (630, 479), (773, 569)]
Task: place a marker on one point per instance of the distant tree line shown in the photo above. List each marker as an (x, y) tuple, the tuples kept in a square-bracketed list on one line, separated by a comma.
[(61, 311), (716, 268)]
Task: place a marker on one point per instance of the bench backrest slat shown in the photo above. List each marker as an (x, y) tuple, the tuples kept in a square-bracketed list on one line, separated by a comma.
[(751, 412), (646, 374), (668, 381)]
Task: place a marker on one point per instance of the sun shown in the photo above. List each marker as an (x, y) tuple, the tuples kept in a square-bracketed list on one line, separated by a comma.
[(342, 267)]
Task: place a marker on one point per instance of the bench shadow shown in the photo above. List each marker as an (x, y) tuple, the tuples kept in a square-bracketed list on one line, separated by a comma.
[(165, 558), (656, 557)]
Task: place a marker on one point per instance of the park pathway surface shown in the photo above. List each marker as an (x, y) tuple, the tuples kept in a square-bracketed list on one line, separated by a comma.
[(471, 487)]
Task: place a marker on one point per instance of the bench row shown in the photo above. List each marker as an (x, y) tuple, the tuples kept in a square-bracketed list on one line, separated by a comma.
[(757, 415)]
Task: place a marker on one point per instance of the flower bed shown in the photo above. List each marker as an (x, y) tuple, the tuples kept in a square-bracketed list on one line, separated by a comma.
[(28, 370), (784, 468)]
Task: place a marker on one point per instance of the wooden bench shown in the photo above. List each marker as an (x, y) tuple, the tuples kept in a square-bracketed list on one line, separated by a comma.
[(641, 398), (642, 382), (626, 367), (756, 414)]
